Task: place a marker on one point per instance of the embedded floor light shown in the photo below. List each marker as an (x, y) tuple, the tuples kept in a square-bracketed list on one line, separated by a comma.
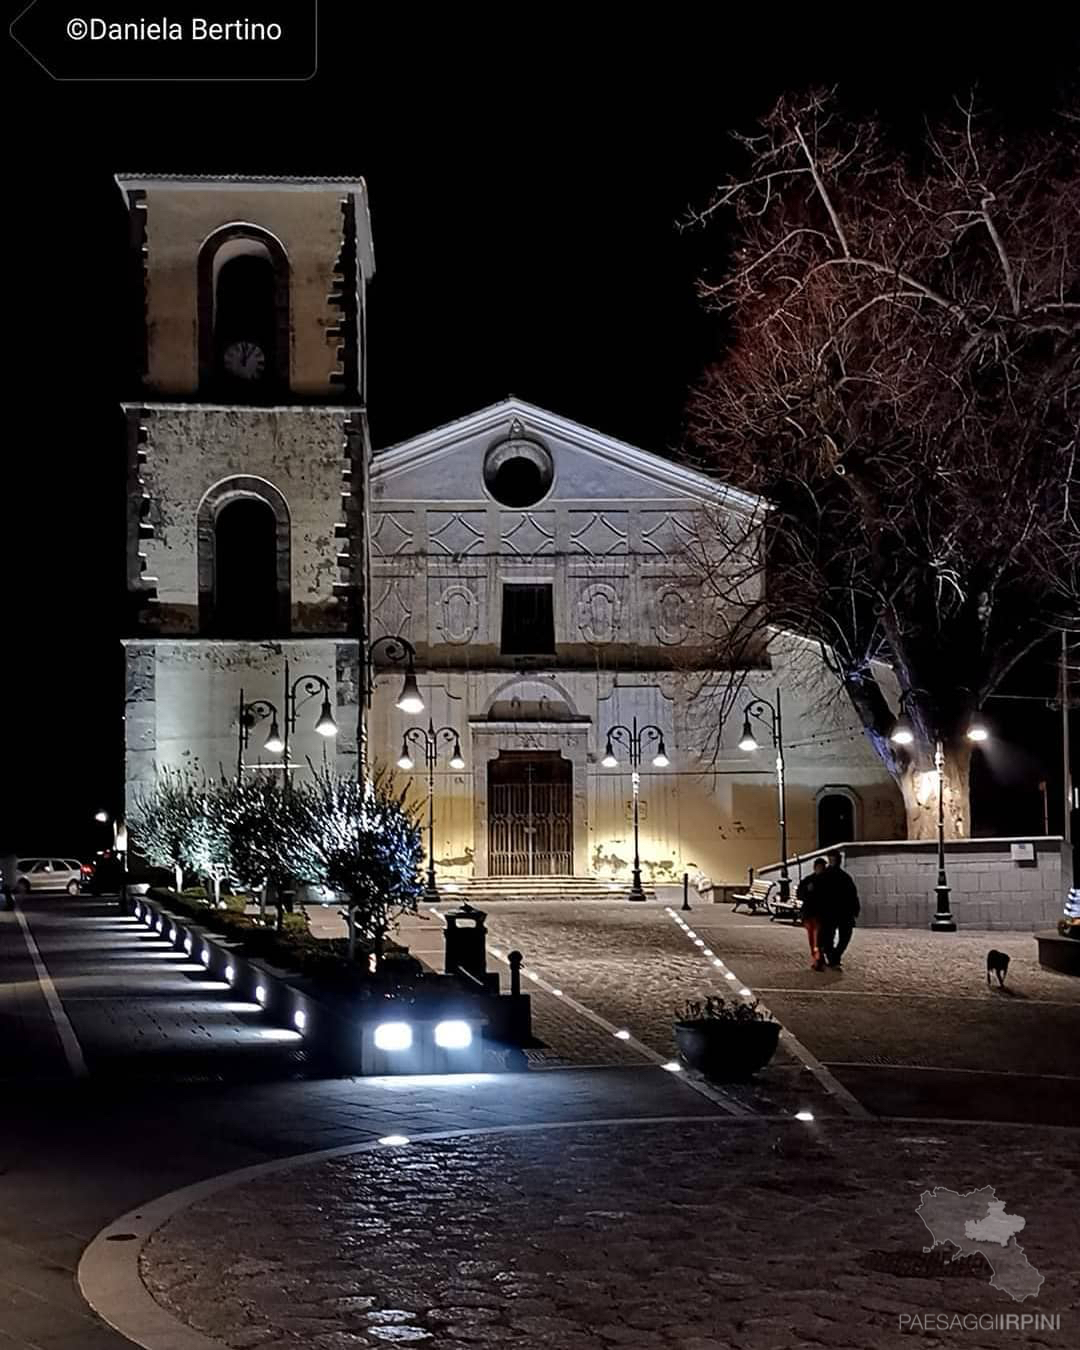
[(672, 1066), (452, 1035), (730, 975), (699, 942), (557, 993), (622, 1035), (326, 726), (717, 962), (804, 1115), (205, 956), (188, 944), (299, 1019), (746, 993), (230, 974), (410, 700), (260, 996), (393, 1140), (393, 1036), (707, 952)]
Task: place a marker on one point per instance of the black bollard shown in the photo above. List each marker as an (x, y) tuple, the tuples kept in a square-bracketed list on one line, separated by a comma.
[(514, 959), (686, 890)]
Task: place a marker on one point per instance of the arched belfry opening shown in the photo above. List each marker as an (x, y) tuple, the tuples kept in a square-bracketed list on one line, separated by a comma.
[(244, 561), (243, 315)]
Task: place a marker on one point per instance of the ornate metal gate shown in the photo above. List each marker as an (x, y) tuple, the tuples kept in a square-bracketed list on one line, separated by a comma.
[(530, 815)]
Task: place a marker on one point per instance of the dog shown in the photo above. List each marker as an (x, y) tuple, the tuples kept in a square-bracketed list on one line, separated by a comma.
[(997, 963)]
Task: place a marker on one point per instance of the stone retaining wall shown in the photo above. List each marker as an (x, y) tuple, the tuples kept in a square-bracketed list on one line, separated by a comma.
[(991, 889)]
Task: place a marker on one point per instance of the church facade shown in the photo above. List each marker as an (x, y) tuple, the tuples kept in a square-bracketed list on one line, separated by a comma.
[(541, 571)]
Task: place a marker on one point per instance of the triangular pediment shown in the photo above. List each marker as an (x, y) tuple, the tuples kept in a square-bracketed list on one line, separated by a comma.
[(446, 460)]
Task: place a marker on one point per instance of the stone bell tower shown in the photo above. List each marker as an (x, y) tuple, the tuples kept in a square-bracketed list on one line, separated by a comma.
[(246, 472)]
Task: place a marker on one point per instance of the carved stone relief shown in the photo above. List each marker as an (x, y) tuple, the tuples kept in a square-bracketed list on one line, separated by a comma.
[(599, 533), (393, 533), (598, 613), (458, 608), (392, 612), (673, 616), (529, 534), (667, 533), (456, 533)]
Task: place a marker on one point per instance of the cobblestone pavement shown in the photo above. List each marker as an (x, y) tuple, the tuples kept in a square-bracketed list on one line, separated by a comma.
[(697, 1236), (910, 1001)]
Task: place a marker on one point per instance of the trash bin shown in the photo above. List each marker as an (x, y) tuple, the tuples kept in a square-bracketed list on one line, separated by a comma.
[(466, 942)]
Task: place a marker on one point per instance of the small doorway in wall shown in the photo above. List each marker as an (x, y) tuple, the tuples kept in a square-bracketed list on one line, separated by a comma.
[(530, 814), (837, 817)]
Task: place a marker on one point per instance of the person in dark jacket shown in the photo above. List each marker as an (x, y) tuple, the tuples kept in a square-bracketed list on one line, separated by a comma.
[(808, 893), (839, 900)]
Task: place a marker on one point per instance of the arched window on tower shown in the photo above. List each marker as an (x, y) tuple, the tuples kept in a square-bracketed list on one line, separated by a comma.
[(243, 315), (245, 582), (244, 561)]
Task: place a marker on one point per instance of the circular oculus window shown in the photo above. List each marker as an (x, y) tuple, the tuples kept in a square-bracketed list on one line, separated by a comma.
[(518, 473)]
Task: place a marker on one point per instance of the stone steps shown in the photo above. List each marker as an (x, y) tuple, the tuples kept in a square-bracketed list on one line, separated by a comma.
[(478, 889)]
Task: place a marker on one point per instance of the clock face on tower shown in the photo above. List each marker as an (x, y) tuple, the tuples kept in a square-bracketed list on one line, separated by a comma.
[(245, 360)]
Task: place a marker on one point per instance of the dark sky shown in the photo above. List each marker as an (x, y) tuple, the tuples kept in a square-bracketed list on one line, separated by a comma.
[(525, 179)]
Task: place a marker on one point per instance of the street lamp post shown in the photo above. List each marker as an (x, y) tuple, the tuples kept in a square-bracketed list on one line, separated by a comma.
[(943, 921), (251, 714), (398, 651), (771, 716), (297, 692), (632, 738), (429, 738), (903, 734)]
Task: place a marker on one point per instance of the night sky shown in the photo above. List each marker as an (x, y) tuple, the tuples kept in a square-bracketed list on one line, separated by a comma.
[(525, 179)]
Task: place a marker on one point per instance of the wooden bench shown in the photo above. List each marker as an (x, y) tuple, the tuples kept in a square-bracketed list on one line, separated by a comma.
[(755, 897)]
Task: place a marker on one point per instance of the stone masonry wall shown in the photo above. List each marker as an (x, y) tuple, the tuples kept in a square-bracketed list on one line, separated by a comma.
[(989, 889)]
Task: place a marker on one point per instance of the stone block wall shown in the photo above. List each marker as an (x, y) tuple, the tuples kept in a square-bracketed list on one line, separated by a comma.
[(989, 889)]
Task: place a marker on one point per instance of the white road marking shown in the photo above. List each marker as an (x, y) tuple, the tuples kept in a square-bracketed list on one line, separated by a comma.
[(828, 1081), (68, 1040), (699, 1085)]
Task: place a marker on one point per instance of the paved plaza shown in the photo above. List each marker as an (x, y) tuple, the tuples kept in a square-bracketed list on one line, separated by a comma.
[(908, 1024), (702, 1236), (596, 1200)]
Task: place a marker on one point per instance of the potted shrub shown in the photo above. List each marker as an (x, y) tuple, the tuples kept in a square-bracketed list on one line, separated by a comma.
[(726, 1041)]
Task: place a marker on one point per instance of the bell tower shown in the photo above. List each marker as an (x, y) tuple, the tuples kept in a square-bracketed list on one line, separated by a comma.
[(247, 455)]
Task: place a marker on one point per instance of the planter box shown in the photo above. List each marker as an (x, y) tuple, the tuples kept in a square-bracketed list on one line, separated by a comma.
[(727, 1051), (1059, 953), (334, 1031)]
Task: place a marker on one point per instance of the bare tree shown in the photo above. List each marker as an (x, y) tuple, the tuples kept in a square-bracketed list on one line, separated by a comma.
[(902, 382)]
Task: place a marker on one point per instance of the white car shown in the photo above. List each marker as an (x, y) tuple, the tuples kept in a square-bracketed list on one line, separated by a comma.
[(48, 874)]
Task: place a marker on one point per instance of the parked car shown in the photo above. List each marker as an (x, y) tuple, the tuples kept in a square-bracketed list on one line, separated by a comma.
[(48, 874)]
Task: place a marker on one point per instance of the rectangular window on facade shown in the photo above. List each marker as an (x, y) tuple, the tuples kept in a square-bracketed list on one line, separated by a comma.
[(528, 620)]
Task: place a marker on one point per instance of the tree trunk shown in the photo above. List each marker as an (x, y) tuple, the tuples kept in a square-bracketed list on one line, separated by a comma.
[(918, 784)]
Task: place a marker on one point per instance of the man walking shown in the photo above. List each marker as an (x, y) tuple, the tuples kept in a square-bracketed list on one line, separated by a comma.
[(839, 901)]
